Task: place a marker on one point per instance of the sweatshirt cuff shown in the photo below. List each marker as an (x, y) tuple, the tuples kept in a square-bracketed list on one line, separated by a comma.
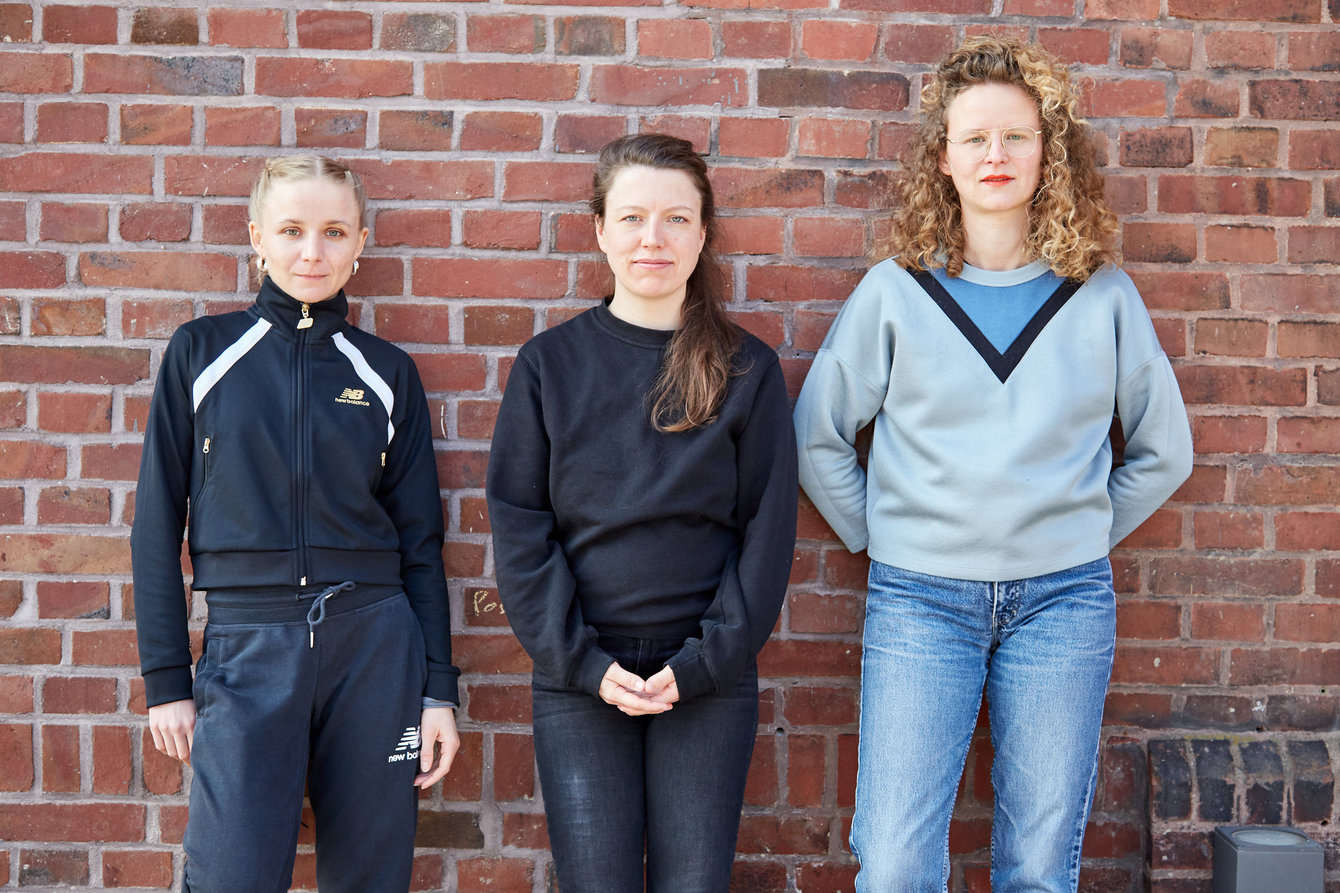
[(594, 664), (443, 685), (692, 676), (167, 685)]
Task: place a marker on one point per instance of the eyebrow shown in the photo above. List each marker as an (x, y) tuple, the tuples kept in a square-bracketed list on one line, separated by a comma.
[(688, 208), (287, 220)]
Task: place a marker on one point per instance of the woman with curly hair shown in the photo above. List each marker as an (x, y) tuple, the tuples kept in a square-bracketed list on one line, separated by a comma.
[(991, 350)]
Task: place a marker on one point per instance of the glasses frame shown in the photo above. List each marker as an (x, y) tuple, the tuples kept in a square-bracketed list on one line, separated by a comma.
[(993, 131)]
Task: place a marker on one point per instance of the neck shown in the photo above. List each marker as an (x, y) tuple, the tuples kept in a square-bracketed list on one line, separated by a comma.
[(663, 314), (996, 244)]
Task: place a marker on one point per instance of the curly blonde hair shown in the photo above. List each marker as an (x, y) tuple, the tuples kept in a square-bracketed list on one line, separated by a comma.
[(1070, 226)]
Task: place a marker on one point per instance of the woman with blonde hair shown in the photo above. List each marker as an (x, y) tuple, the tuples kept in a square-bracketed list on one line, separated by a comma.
[(303, 448), (991, 350)]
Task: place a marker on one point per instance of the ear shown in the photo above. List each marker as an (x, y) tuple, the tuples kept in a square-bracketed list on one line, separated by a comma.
[(254, 230), (944, 164), (362, 240), (702, 237), (600, 232)]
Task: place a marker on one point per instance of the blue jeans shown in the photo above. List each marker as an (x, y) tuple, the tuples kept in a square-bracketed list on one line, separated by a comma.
[(1042, 647), (617, 786)]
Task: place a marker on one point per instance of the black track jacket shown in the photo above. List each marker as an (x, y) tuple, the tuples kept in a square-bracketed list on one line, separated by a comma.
[(307, 457)]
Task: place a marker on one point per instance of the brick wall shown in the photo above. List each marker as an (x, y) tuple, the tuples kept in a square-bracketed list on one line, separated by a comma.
[(128, 137)]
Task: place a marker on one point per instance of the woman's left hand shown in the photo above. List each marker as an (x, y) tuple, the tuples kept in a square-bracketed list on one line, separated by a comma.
[(662, 687), (439, 743)]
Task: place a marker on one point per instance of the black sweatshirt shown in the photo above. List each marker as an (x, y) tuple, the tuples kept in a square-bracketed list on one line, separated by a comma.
[(306, 455), (602, 524)]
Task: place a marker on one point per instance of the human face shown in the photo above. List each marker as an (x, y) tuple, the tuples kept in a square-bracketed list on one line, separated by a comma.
[(651, 234), (997, 184), (309, 237)]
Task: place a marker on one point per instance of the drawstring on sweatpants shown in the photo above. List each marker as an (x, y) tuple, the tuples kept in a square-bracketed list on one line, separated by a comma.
[(317, 613)]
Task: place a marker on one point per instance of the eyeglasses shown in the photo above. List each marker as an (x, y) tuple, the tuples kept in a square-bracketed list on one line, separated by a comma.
[(1019, 142)]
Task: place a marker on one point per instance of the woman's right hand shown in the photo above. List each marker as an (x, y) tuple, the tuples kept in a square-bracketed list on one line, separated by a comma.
[(627, 691), (173, 728)]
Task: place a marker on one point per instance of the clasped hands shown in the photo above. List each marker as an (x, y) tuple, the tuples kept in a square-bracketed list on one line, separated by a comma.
[(637, 696)]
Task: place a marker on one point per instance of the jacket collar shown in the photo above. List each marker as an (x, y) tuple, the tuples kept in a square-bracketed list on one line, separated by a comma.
[(285, 312)]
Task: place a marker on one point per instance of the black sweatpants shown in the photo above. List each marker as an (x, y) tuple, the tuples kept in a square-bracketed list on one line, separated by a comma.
[(289, 693)]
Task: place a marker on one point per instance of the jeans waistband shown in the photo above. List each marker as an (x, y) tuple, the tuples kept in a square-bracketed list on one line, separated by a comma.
[(273, 604)]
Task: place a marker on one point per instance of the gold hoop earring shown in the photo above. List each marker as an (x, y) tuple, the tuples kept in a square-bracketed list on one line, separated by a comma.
[(260, 265), (355, 266)]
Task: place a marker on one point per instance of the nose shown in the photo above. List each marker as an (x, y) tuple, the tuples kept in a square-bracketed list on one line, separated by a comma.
[(995, 151), (311, 248), (651, 233)]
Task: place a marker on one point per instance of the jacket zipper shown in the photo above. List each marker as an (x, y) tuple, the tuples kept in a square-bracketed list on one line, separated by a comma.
[(300, 443)]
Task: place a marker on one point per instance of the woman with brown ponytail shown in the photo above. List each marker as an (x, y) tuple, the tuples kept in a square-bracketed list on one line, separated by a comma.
[(642, 494)]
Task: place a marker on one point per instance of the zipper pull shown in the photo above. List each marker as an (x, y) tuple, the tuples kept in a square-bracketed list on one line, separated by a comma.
[(206, 451), (383, 454), (306, 321)]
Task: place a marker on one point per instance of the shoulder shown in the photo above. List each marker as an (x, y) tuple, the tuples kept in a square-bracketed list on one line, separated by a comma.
[(373, 346), (573, 334)]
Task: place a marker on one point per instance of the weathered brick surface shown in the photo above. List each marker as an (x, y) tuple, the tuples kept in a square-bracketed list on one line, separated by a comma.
[(133, 132)]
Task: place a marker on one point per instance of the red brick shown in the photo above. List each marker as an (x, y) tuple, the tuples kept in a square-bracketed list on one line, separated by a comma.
[(420, 32), (1307, 623), (72, 122), (1284, 666), (1228, 621), (1314, 50), (1160, 243), (1243, 385), (791, 834), (153, 319), (674, 39), (247, 28), (1308, 435), (1242, 146), (838, 41), (331, 128), (168, 75), (1156, 48), (79, 24), (334, 29), (1299, 11), (349, 78), (451, 372), (158, 222), (64, 172), (543, 181), (16, 758), (463, 782), (586, 133), (753, 137), (1156, 147), (415, 129), (477, 278), (13, 226), (1231, 337), (833, 138), (498, 703), (502, 132), (1301, 99), (1240, 49), (413, 323), (1171, 290), (1308, 339), (1307, 531), (74, 412), (173, 271), (696, 129), (30, 459), (162, 774), (246, 126), (1257, 577), (434, 180), (66, 868), (1284, 197), (1314, 244), (16, 695), (1197, 98), (65, 505), (756, 39), (1290, 293), (822, 706), (805, 773), (1165, 665), (589, 35), (1087, 46), (165, 26), (36, 73), (65, 599), (489, 874), (82, 222), (1148, 620), (517, 230), (513, 766), (499, 80), (60, 758), (829, 237), (71, 822), (1126, 97), (750, 235), (631, 85), (137, 868), (1229, 530), (53, 316), (777, 188), (510, 34), (79, 694)]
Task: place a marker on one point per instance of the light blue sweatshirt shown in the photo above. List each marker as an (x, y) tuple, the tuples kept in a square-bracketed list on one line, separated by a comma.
[(986, 466)]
